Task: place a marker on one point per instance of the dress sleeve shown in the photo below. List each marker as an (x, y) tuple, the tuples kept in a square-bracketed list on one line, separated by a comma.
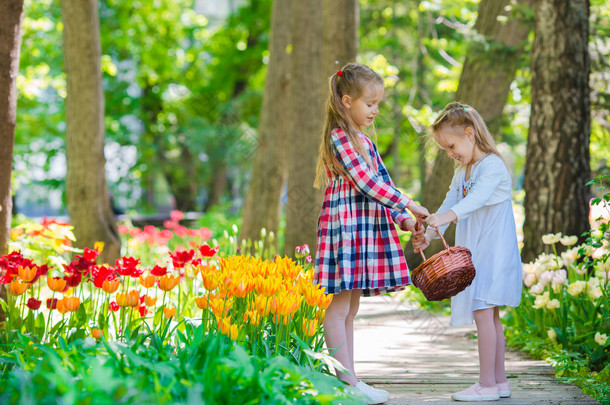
[(363, 178), (490, 177), (451, 198), (397, 216)]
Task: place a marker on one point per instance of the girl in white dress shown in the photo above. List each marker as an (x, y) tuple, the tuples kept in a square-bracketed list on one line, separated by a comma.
[(479, 200)]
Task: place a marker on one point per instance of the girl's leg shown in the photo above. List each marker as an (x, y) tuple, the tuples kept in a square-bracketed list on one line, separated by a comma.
[(349, 328), (487, 341), (335, 333), (500, 371)]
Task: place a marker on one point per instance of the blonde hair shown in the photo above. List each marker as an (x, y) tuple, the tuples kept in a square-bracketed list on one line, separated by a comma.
[(352, 81), (456, 114)]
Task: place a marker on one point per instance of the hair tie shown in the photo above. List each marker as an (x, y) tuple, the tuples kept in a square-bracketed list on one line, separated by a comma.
[(339, 73)]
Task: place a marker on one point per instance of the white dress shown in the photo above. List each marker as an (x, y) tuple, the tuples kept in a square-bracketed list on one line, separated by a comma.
[(486, 226)]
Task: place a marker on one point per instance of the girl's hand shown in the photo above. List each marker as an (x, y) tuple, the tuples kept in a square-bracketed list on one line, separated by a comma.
[(420, 242), (436, 220), (408, 225), (420, 212)]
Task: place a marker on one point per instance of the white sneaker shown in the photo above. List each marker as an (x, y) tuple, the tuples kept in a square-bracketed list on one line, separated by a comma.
[(477, 393), (375, 396)]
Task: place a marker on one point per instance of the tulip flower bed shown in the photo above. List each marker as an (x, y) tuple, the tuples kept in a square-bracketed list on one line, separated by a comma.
[(150, 322), (564, 314)]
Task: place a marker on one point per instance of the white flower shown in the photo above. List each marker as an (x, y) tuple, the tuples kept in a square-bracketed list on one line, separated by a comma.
[(529, 267), (552, 334), (553, 304), (560, 277), (550, 239), (541, 300), (601, 339), (595, 293), (570, 256), (529, 279), (546, 277), (537, 289), (568, 240), (577, 287)]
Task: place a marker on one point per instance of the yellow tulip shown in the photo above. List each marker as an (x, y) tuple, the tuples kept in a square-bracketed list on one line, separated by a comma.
[(310, 326)]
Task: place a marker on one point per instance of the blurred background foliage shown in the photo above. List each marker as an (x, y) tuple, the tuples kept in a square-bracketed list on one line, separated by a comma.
[(183, 84)]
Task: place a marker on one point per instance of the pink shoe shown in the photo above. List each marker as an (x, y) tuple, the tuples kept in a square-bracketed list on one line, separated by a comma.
[(504, 389), (477, 393)]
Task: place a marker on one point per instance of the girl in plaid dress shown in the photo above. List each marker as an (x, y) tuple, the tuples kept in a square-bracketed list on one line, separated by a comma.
[(358, 250)]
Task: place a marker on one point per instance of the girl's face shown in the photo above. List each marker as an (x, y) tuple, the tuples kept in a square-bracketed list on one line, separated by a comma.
[(363, 109), (459, 143)]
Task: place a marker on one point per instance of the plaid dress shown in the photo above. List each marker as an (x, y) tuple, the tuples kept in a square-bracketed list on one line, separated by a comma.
[(358, 246)]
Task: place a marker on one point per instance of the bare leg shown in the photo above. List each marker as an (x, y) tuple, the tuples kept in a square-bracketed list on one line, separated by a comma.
[(500, 371), (335, 333), (487, 341), (349, 329)]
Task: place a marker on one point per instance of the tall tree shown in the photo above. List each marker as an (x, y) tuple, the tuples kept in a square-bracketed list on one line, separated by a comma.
[(484, 83), (11, 13), (86, 190), (307, 120), (269, 172), (340, 33), (557, 162)]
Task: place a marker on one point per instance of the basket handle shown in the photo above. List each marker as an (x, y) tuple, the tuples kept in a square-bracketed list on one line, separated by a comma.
[(421, 251)]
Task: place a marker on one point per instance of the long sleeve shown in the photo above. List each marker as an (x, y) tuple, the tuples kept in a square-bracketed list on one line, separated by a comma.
[(363, 178), (451, 198), (397, 216)]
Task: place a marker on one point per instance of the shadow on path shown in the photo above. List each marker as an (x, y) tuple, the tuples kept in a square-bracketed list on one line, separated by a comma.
[(419, 358)]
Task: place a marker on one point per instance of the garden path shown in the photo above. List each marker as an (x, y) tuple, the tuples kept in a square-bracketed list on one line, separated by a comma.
[(419, 358)]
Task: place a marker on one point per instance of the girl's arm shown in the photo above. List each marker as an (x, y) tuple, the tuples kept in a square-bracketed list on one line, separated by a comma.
[(364, 179), (398, 216), (493, 173)]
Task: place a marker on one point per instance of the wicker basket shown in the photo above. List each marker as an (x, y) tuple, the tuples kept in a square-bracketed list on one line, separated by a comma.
[(445, 274)]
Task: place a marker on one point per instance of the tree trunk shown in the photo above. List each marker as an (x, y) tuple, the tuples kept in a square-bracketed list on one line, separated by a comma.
[(269, 173), (307, 119), (11, 12), (341, 22), (484, 83), (86, 190), (557, 162)]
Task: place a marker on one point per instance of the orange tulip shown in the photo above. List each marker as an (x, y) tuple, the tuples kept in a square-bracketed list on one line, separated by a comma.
[(68, 304), (169, 312), (147, 281), (62, 305), (254, 317), (313, 295), (287, 304), (73, 304), (232, 331), (150, 301), (96, 333), (242, 289), (325, 301), (210, 280), (130, 299), (56, 284), (167, 283), (110, 286), (26, 274), (310, 326), (18, 288), (202, 302)]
